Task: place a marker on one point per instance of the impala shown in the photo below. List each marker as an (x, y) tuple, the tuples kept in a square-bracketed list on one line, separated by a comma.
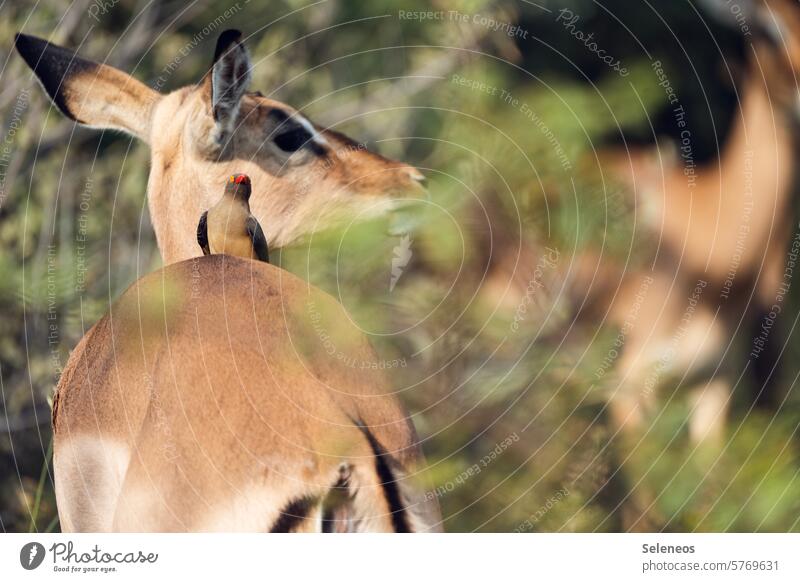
[(724, 259), (206, 399), (723, 230)]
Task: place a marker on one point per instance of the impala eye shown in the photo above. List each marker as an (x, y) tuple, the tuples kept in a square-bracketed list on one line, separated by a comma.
[(293, 139)]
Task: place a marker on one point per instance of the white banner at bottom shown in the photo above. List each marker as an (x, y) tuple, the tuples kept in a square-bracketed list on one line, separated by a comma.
[(387, 557)]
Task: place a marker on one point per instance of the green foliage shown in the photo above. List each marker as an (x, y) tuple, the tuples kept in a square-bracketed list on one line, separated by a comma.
[(517, 158)]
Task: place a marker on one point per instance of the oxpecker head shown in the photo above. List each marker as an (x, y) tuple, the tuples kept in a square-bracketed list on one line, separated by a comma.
[(239, 186)]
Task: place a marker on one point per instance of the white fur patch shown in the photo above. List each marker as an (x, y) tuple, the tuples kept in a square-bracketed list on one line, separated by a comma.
[(89, 471), (316, 136), (254, 508)]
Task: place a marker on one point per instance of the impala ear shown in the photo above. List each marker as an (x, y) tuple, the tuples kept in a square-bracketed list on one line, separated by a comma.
[(227, 82), (90, 93)]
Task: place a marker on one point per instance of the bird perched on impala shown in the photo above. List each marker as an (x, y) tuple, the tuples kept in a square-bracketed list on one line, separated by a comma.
[(229, 228)]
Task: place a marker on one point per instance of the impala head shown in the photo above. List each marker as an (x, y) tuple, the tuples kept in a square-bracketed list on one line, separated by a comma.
[(305, 177), (774, 28)]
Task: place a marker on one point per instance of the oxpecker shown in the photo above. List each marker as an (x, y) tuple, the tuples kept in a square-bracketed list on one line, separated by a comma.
[(229, 228)]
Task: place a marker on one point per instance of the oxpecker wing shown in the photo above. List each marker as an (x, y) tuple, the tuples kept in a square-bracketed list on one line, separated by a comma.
[(258, 238), (202, 233)]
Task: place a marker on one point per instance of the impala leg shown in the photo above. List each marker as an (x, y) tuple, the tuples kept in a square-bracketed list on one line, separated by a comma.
[(628, 416), (710, 407)]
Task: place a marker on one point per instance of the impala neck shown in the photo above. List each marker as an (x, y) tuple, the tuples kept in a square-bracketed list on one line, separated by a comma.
[(720, 222), (761, 131)]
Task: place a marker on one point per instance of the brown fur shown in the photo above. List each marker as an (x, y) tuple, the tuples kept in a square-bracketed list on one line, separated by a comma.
[(212, 378)]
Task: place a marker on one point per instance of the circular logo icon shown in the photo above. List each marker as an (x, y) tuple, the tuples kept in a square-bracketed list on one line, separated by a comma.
[(31, 555)]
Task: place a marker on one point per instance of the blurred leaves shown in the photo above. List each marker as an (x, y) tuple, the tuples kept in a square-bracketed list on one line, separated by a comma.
[(511, 162)]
